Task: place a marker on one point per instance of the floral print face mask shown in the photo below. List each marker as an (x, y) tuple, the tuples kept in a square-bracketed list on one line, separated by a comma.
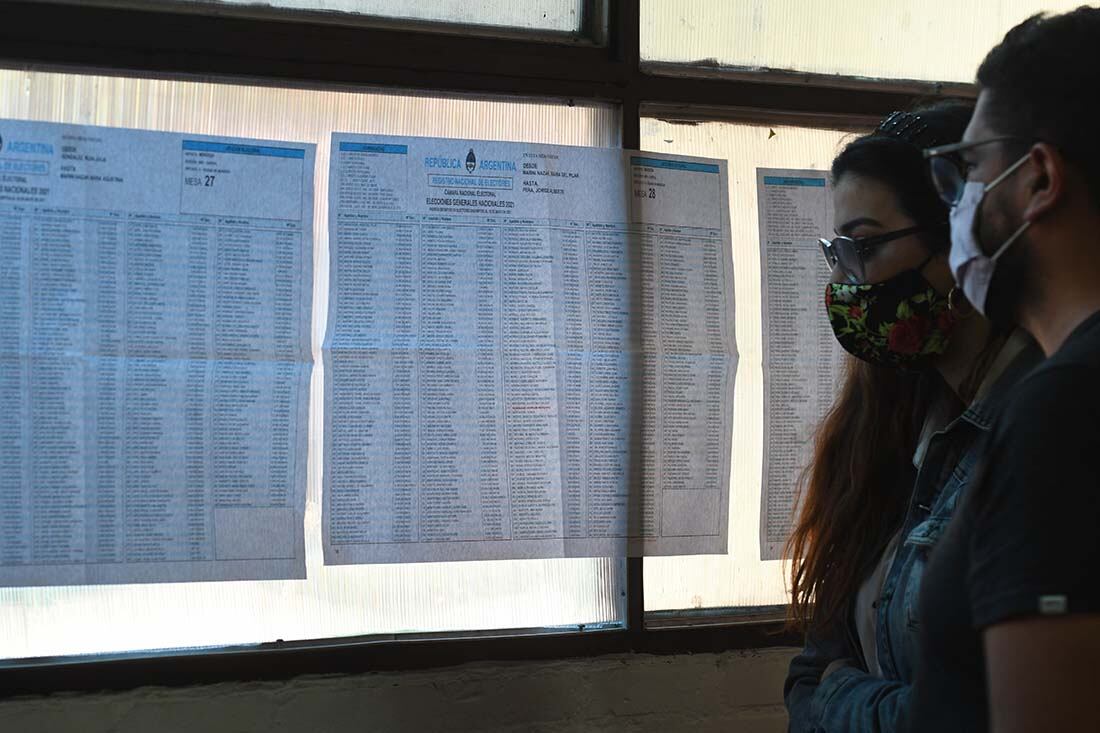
[(899, 322)]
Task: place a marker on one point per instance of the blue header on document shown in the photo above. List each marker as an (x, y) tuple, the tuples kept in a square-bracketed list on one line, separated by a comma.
[(790, 181), (346, 147), (212, 147), (676, 165)]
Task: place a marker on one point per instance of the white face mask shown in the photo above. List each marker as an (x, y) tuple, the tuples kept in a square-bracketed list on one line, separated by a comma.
[(972, 268)]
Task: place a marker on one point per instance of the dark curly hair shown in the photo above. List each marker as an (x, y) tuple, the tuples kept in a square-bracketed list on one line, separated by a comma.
[(1041, 83)]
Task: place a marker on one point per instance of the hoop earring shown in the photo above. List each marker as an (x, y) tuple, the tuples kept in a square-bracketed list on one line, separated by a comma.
[(955, 299)]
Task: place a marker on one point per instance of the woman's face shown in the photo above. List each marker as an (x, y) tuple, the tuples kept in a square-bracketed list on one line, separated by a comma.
[(864, 207)]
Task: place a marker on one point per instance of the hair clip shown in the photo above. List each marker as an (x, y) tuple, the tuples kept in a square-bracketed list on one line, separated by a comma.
[(908, 127)]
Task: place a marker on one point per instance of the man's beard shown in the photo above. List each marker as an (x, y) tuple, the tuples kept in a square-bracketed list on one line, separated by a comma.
[(1012, 282), (1010, 285)]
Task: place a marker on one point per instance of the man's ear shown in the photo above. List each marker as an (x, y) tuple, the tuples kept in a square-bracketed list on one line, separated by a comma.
[(1044, 180)]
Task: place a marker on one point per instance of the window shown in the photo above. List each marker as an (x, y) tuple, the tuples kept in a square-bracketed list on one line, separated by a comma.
[(738, 579), (335, 600), (557, 16), (939, 41), (691, 77)]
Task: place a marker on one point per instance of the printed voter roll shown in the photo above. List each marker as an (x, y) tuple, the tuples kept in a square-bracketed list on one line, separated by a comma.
[(803, 363), (530, 352), (155, 355)]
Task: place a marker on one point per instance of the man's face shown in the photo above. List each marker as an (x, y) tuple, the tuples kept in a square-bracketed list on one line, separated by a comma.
[(999, 215)]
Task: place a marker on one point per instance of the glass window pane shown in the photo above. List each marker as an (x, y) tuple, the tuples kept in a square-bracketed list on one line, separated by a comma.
[(738, 578), (932, 40), (334, 601), (544, 15)]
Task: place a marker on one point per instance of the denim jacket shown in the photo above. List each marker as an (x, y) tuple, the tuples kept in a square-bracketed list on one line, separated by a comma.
[(851, 700)]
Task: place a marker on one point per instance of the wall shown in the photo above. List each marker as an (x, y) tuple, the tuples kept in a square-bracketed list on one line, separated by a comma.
[(735, 692)]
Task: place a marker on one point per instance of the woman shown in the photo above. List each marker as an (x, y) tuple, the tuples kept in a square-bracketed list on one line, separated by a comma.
[(896, 450)]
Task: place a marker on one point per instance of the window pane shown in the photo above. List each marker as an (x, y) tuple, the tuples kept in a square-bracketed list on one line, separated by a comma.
[(334, 601), (545, 15), (932, 40), (738, 578)]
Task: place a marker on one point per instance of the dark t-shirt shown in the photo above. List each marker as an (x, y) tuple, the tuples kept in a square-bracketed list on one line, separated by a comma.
[(1025, 540)]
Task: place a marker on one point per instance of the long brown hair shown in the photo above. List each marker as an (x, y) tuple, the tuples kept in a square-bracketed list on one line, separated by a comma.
[(858, 483), (856, 487)]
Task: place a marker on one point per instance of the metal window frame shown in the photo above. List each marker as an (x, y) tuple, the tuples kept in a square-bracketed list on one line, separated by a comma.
[(601, 63)]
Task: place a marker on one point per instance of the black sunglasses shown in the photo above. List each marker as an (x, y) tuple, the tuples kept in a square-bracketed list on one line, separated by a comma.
[(848, 254)]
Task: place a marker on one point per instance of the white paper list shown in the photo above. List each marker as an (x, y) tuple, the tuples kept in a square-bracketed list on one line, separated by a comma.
[(802, 359), (529, 352), (154, 355)]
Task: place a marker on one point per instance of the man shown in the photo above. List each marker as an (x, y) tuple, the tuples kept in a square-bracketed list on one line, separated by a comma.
[(1010, 603)]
